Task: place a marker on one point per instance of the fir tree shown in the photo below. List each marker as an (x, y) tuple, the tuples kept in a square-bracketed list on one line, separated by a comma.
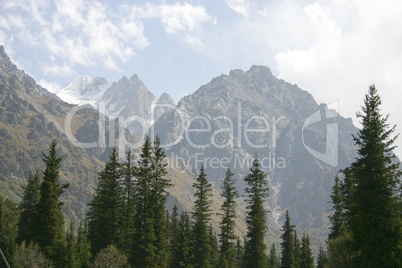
[(306, 256), (287, 245), (151, 234), (83, 247), (8, 227), (214, 251), (144, 249), (322, 258), (105, 210), (375, 205), (175, 239), (297, 250), (256, 192), (185, 257), (338, 216), (47, 219), (201, 216), (274, 261), (129, 201), (71, 252), (227, 224), (239, 253), (159, 193), (29, 200)]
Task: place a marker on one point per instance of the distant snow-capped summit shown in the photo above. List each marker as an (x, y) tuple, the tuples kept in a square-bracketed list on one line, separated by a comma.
[(126, 99)]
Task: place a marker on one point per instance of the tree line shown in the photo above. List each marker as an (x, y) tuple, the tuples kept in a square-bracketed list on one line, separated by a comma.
[(128, 225)]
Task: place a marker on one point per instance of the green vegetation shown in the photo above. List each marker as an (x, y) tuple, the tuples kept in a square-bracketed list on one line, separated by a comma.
[(128, 223), (366, 219)]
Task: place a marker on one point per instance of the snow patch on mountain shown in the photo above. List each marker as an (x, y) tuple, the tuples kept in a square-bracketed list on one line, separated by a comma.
[(126, 99)]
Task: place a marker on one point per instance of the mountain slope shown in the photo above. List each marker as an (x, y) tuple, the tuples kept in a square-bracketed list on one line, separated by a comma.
[(31, 117), (225, 122)]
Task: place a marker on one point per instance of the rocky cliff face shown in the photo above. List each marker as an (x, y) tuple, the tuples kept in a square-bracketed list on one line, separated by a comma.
[(227, 121)]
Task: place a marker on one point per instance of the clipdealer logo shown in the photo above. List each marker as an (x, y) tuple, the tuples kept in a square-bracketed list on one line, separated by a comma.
[(331, 111)]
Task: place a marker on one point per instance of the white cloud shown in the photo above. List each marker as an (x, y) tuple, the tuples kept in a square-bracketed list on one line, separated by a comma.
[(184, 17), (240, 6), (61, 70), (179, 19), (50, 86), (90, 33), (347, 53), (78, 32)]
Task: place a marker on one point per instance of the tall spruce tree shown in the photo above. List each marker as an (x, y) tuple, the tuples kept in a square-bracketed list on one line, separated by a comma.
[(129, 201), (185, 256), (287, 245), (306, 256), (159, 193), (375, 206), (214, 251), (338, 207), (175, 238), (227, 236), (8, 227), (274, 261), (83, 246), (47, 219), (256, 192), (201, 216), (322, 258), (71, 251), (29, 200), (144, 251), (297, 249), (239, 253), (105, 210)]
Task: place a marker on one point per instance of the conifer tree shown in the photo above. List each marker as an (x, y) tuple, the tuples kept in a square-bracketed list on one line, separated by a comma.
[(159, 193), (287, 245), (83, 247), (214, 251), (105, 210), (322, 258), (256, 192), (129, 203), (71, 252), (274, 261), (201, 217), (151, 233), (297, 250), (375, 206), (47, 219), (227, 224), (306, 256), (8, 227), (144, 244), (29, 200), (338, 216), (185, 257), (239, 253), (175, 239)]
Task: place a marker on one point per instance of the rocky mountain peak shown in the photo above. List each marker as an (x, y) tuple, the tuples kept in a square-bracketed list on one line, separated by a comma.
[(165, 99)]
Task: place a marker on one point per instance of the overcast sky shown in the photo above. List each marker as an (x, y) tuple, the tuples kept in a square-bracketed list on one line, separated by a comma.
[(333, 49)]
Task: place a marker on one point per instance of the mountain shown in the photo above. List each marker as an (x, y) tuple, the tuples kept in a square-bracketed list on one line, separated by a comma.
[(227, 121), (126, 99), (31, 117)]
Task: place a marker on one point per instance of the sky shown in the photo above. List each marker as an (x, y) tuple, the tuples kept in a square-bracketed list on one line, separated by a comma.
[(333, 49)]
